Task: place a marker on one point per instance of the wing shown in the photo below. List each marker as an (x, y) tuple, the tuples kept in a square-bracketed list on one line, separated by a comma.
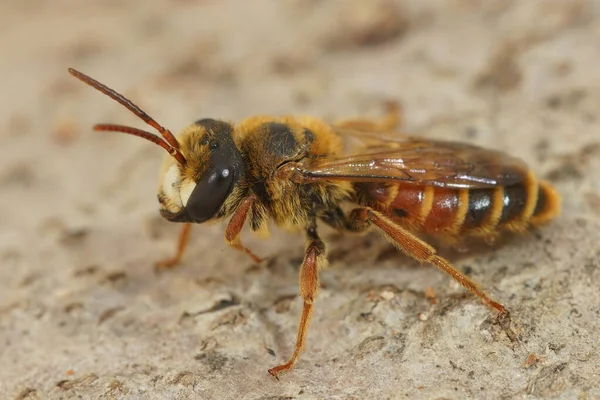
[(421, 161)]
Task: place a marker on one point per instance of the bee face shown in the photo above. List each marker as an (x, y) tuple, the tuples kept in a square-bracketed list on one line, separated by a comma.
[(197, 191)]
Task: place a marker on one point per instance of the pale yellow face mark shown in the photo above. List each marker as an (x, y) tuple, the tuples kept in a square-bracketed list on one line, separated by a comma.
[(176, 190), (170, 185), (186, 190)]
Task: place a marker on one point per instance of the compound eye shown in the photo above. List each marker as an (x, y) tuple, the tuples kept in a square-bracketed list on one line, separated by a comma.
[(211, 190)]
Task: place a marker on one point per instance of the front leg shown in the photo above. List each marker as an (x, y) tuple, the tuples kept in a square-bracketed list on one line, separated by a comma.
[(184, 238), (235, 225), (314, 259)]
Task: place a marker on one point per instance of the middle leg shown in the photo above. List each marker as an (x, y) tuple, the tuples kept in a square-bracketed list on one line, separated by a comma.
[(314, 259)]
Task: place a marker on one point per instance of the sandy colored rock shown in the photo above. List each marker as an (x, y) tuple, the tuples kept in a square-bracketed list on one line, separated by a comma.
[(82, 313)]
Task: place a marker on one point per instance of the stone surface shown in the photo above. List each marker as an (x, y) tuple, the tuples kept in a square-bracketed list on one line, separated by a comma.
[(83, 315)]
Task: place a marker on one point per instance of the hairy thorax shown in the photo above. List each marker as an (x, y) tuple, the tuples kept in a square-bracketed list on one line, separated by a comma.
[(270, 145)]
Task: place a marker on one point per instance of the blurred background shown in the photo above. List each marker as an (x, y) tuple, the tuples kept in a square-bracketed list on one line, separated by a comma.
[(82, 312)]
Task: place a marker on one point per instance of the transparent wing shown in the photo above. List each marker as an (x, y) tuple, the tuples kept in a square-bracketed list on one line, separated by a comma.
[(420, 161)]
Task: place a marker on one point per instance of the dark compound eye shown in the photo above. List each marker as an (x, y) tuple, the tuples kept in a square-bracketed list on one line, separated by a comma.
[(212, 189)]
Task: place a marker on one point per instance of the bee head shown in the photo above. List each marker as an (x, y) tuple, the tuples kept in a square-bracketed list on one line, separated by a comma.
[(197, 191), (203, 167)]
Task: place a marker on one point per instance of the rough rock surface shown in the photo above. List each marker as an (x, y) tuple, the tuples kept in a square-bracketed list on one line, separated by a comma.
[(83, 315)]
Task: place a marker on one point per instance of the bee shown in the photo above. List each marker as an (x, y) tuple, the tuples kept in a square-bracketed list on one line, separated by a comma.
[(298, 171)]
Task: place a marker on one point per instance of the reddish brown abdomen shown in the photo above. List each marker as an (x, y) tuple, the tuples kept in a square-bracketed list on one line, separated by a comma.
[(469, 212)]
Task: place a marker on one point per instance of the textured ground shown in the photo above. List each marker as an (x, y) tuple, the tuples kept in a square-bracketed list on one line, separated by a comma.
[(83, 315)]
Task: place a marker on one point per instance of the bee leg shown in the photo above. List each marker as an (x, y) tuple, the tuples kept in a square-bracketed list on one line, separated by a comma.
[(235, 225), (391, 121), (336, 219), (393, 118), (420, 251), (184, 238), (314, 259)]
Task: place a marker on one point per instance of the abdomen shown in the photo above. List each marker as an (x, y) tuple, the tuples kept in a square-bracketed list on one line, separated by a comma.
[(453, 212)]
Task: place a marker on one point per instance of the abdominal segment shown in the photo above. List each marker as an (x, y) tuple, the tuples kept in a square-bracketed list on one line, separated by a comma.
[(455, 212)]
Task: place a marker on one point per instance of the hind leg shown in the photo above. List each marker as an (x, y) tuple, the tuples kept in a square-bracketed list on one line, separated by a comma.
[(361, 218), (391, 121)]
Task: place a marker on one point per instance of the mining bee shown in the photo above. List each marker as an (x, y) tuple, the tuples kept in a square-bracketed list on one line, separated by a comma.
[(297, 171)]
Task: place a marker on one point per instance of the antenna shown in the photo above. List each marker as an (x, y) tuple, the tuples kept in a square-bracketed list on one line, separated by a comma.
[(170, 143)]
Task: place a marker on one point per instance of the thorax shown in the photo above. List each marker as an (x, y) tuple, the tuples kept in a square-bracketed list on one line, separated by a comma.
[(267, 145)]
